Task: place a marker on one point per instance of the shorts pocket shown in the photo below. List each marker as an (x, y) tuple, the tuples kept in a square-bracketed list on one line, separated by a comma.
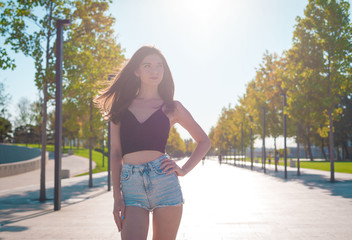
[(126, 174), (158, 170)]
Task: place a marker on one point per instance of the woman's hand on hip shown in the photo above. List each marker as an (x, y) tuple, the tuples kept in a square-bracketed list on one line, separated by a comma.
[(169, 166), (119, 212)]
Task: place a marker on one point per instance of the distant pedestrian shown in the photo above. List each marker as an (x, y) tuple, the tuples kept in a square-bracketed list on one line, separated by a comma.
[(269, 158), (141, 108), (277, 157), (220, 158)]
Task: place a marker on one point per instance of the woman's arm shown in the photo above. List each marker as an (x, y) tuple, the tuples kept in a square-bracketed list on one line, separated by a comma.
[(116, 165), (185, 119)]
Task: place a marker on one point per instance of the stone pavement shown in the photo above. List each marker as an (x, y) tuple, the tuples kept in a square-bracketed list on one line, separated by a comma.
[(75, 164), (221, 202)]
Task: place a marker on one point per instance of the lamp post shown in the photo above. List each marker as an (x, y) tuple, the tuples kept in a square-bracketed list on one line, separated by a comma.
[(103, 144), (58, 113), (235, 151), (264, 157), (298, 163), (110, 77), (285, 134), (27, 132), (242, 153), (251, 133)]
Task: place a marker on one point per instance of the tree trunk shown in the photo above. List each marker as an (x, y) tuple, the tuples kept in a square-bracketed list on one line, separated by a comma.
[(331, 128), (43, 141), (298, 163), (90, 143), (322, 149), (309, 147), (274, 155), (331, 147), (44, 107), (347, 154), (264, 154), (343, 153), (338, 153), (298, 153)]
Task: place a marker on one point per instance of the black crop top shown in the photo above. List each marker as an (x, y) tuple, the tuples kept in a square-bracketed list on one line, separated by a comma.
[(152, 134)]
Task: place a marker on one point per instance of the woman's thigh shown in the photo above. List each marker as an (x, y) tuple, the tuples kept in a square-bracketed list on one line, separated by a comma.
[(135, 224), (166, 221)]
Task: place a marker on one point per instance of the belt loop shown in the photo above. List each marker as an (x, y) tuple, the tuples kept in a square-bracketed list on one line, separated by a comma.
[(150, 166)]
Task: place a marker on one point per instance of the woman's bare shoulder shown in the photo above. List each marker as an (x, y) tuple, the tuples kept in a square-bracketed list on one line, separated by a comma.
[(179, 108), (179, 111)]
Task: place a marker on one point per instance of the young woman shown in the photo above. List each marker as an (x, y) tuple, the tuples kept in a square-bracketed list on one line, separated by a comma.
[(140, 105)]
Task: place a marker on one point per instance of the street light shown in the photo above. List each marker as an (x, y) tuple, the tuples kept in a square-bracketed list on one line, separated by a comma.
[(58, 112), (234, 150), (298, 162), (110, 77), (285, 134), (263, 150), (251, 133), (242, 153)]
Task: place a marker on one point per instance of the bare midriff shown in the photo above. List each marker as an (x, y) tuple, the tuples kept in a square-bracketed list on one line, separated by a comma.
[(141, 157)]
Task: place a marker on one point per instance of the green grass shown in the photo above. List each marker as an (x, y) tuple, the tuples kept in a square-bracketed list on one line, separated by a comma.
[(343, 167), (49, 148), (83, 152), (97, 158)]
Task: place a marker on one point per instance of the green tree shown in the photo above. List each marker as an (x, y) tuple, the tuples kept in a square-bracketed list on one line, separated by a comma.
[(211, 137), (270, 82), (24, 114), (36, 118), (38, 43), (326, 26), (5, 129), (70, 121), (175, 146), (92, 53), (5, 98), (302, 86), (224, 132), (343, 126), (13, 25), (232, 128), (190, 146)]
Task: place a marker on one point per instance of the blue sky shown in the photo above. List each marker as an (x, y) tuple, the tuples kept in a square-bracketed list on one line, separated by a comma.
[(212, 47)]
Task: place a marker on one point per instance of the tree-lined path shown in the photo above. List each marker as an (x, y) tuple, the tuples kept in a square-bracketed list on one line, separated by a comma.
[(75, 164), (221, 202)]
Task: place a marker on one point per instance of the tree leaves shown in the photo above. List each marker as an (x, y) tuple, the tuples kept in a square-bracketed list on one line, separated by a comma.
[(314, 73)]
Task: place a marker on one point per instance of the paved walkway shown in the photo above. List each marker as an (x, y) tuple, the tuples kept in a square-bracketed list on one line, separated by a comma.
[(76, 164), (221, 202)]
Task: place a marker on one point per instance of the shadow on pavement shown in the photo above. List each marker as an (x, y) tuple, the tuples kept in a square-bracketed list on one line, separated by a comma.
[(341, 188), (16, 207)]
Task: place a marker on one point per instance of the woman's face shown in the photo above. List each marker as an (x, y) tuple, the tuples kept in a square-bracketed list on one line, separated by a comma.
[(151, 70)]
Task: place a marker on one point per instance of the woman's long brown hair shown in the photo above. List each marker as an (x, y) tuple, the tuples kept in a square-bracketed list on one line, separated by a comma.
[(116, 98)]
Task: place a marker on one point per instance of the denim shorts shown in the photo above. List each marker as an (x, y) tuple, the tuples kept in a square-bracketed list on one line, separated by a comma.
[(146, 186)]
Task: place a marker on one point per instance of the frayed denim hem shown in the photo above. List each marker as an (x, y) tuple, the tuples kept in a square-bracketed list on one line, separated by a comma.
[(170, 205), (151, 210)]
